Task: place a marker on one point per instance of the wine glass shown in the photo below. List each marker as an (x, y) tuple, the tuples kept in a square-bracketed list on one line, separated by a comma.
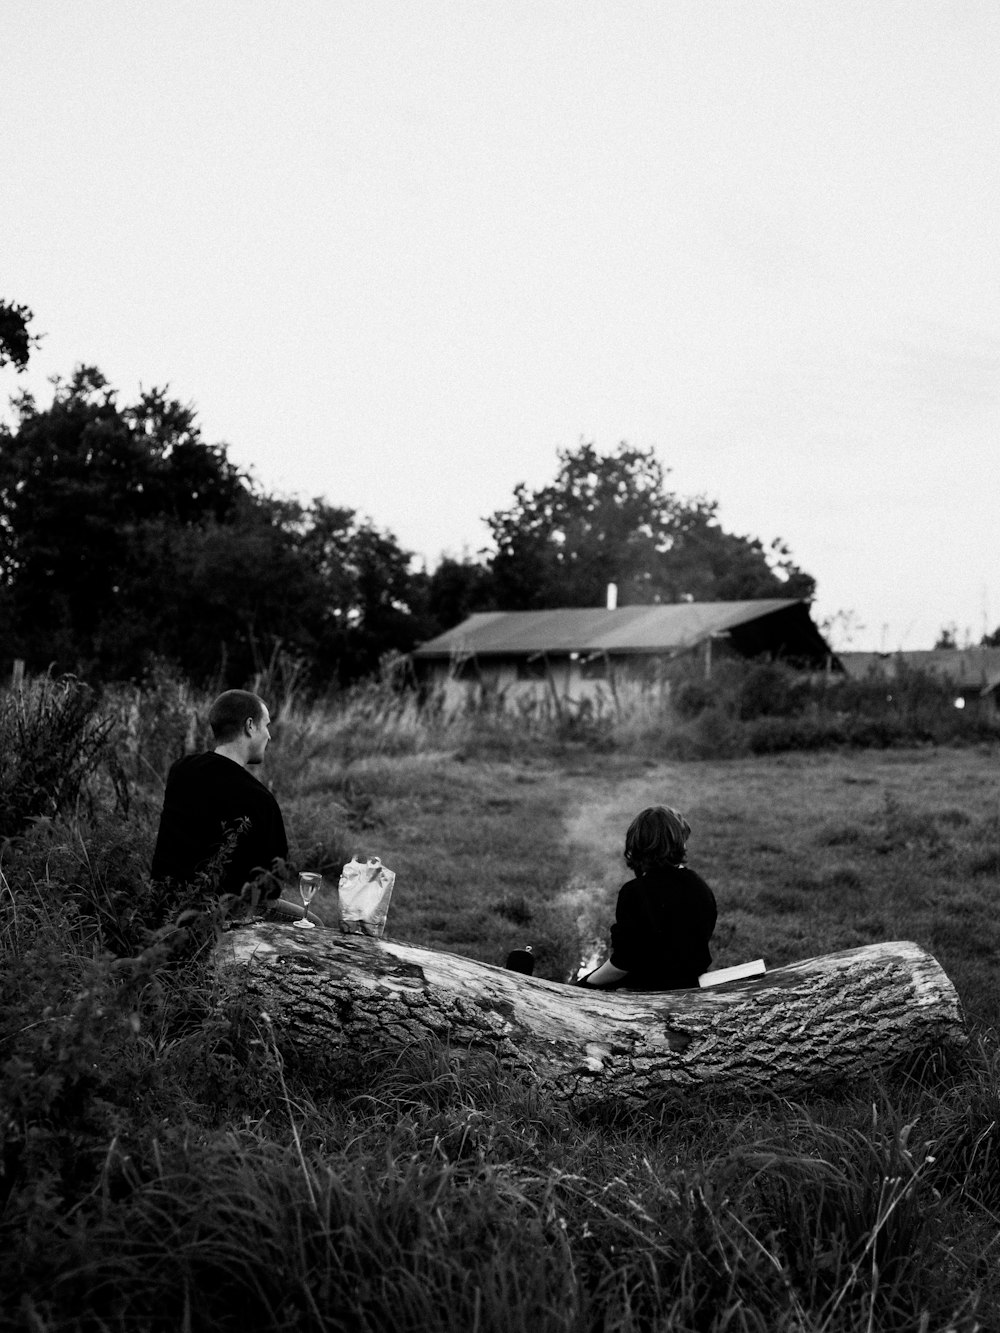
[(309, 882)]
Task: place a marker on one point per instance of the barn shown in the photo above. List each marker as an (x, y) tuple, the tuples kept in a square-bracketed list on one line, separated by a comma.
[(577, 653), (973, 673)]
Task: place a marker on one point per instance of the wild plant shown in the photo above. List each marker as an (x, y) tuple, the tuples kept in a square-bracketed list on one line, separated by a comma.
[(159, 721), (54, 741)]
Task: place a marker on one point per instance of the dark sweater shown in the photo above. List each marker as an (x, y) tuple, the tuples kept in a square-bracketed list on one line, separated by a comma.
[(209, 797), (663, 923)]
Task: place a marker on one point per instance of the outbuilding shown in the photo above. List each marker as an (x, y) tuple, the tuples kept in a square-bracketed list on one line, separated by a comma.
[(973, 673), (578, 653)]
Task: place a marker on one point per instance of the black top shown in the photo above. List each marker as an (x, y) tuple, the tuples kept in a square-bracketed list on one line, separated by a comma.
[(208, 797), (663, 923)]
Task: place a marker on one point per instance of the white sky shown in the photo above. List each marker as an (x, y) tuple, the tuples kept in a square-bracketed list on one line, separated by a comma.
[(399, 253)]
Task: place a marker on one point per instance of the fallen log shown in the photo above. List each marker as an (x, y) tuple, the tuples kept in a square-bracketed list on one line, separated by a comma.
[(802, 1027)]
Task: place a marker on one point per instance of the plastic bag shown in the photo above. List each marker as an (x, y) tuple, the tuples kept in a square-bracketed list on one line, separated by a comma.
[(364, 891)]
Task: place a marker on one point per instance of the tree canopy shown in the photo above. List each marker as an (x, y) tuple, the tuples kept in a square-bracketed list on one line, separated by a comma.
[(126, 538), (609, 518), (15, 340)]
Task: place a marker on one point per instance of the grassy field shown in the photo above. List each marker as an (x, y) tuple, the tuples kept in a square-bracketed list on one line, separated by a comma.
[(165, 1167), (806, 853)]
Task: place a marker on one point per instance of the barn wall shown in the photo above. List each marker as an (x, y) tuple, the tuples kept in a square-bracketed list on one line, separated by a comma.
[(560, 683)]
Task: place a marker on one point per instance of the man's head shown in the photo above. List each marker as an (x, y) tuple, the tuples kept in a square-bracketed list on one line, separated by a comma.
[(240, 722)]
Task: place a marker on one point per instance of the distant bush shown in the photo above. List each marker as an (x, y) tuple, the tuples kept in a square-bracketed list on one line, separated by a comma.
[(767, 707), (772, 689)]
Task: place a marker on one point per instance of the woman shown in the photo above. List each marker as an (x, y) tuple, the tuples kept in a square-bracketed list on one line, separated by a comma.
[(665, 916)]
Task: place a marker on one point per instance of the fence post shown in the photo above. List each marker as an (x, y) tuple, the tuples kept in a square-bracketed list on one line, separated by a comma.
[(17, 673)]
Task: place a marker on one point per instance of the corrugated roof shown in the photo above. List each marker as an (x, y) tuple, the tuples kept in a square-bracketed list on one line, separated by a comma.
[(627, 629)]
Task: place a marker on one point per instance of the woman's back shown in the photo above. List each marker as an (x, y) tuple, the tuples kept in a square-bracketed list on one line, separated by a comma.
[(664, 921)]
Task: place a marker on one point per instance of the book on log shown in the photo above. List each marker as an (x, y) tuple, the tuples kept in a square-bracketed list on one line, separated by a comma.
[(754, 969)]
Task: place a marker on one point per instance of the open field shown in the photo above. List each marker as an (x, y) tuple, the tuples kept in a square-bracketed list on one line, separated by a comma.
[(164, 1167)]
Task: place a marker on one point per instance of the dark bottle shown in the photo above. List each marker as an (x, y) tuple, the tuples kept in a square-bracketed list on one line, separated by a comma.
[(521, 960)]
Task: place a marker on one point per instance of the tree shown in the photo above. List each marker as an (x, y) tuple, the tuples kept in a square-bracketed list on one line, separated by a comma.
[(125, 537), (608, 518), (368, 601), (215, 598), (15, 340), (79, 483), (456, 590)]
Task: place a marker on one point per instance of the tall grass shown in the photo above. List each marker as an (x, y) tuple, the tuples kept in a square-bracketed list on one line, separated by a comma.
[(56, 741), (435, 1195), (744, 709), (165, 1164)]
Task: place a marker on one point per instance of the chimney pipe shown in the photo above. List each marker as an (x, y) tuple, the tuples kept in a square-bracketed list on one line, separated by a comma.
[(612, 596)]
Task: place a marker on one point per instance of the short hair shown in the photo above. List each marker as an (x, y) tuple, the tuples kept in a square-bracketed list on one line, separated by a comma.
[(229, 712), (656, 838)]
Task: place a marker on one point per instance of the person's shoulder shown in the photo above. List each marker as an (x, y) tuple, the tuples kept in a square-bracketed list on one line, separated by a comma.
[(240, 776), (190, 765), (693, 879), (214, 770), (250, 784)]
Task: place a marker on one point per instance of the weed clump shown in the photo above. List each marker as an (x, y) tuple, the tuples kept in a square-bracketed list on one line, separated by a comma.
[(54, 743)]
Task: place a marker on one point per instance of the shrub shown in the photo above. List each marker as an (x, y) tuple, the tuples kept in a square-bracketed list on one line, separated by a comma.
[(763, 707), (161, 720), (771, 689), (54, 741)]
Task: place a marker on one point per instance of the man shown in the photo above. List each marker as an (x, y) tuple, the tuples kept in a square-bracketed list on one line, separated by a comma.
[(217, 817)]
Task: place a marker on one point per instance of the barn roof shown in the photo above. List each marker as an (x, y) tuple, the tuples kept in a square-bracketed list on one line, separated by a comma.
[(630, 629)]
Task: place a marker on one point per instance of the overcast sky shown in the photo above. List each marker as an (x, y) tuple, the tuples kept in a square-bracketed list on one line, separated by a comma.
[(399, 253)]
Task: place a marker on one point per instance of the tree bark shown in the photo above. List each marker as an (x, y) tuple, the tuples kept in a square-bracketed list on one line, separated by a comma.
[(807, 1026)]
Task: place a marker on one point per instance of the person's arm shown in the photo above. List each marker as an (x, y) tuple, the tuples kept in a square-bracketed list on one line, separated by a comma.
[(610, 973), (625, 931), (605, 975)]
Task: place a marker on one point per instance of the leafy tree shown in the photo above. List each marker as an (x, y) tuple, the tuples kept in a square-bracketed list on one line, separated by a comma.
[(78, 482), (15, 340), (124, 537), (216, 598), (609, 518), (368, 599), (991, 640), (456, 590)]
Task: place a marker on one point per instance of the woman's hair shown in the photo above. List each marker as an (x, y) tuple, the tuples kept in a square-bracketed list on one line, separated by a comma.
[(657, 837), (230, 711)]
